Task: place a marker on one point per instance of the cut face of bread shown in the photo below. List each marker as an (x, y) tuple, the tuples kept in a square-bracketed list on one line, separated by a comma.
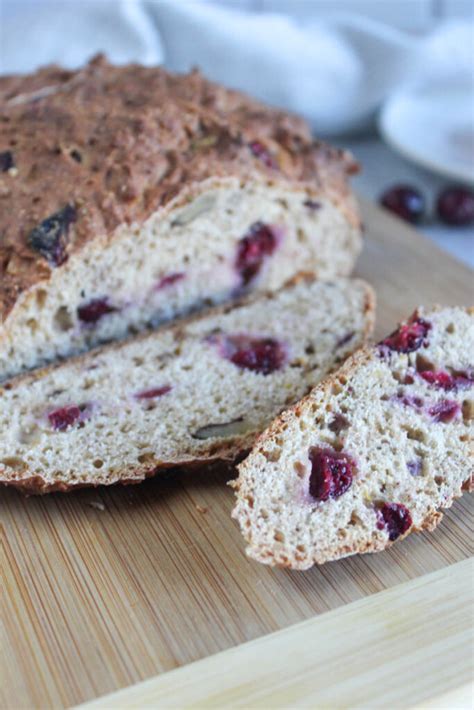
[(227, 240), (371, 454), (195, 392), (130, 196)]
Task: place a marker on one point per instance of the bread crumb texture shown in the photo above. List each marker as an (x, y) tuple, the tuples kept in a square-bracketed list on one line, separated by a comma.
[(371, 454), (197, 391)]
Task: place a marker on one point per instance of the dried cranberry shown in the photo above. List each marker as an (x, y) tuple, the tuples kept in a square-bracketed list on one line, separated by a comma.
[(444, 411), (6, 161), (463, 380), (259, 242), (169, 280), (312, 205), (94, 310), (331, 473), (395, 518), (263, 154), (154, 392), (262, 355), (415, 467), (408, 337), (50, 238), (405, 201), (409, 401), (61, 419), (441, 380), (455, 206), (445, 381)]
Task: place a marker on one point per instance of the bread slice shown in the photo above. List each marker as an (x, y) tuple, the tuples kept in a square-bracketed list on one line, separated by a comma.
[(195, 392), (371, 454), (130, 196)]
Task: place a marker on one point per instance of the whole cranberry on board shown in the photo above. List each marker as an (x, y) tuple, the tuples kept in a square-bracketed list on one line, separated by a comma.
[(455, 206), (405, 201)]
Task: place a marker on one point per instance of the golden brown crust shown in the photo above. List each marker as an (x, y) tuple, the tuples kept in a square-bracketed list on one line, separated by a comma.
[(114, 144), (268, 556), (229, 452)]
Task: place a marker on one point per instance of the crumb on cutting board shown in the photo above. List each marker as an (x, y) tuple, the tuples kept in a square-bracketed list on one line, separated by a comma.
[(97, 504)]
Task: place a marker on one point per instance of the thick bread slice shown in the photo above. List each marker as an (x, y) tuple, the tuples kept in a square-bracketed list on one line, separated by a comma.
[(130, 196), (371, 454), (190, 393)]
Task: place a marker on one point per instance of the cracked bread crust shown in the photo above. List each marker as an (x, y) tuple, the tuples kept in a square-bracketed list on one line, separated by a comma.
[(298, 531), (115, 144)]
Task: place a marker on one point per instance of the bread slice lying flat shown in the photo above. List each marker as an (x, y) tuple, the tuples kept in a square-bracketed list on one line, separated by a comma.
[(130, 196), (194, 392), (371, 454)]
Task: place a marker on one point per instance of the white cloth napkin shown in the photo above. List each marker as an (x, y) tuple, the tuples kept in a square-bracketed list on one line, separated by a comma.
[(336, 72)]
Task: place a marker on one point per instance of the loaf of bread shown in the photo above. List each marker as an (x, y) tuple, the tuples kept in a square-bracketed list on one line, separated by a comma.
[(371, 454), (197, 391), (129, 196)]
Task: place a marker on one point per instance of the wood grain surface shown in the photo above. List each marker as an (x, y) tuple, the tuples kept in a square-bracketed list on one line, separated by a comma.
[(104, 588), (385, 651)]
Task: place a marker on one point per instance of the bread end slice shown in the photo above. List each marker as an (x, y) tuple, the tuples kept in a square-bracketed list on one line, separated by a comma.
[(371, 454)]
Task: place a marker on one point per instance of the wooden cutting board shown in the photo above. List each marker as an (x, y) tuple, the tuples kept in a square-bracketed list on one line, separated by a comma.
[(104, 588)]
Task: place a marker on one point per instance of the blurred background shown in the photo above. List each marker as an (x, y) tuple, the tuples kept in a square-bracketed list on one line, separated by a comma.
[(393, 80)]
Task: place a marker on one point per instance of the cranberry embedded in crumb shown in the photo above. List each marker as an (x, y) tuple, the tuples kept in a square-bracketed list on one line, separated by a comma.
[(61, 419), (331, 473), (262, 153), (262, 355), (405, 201), (444, 411), (94, 310), (455, 206), (445, 381), (169, 280), (415, 467), (154, 392), (442, 380), (259, 242), (410, 401), (408, 337), (395, 518)]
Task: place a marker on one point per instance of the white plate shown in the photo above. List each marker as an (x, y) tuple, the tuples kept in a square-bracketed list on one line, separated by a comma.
[(433, 125)]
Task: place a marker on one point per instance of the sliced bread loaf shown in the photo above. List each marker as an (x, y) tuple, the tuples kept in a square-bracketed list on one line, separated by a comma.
[(129, 196), (194, 392), (371, 454)]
